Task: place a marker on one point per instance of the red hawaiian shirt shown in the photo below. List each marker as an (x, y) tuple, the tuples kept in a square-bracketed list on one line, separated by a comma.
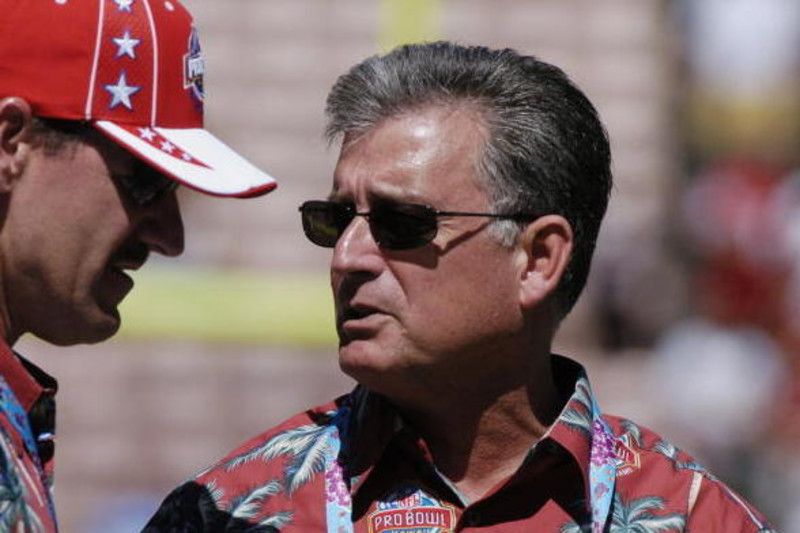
[(279, 481), (27, 422)]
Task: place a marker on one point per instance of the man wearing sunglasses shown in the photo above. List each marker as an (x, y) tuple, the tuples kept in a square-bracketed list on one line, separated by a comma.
[(101, 119), (463, 214)]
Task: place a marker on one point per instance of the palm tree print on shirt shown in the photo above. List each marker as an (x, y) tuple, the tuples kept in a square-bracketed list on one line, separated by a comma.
[(14, 509), (665, 448), (305, 446), (248, 506), (673, 453), (638, 516), (580, 419)]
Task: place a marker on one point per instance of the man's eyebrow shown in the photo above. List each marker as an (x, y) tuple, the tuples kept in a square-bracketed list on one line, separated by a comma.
[(397, 195), (380, 188)]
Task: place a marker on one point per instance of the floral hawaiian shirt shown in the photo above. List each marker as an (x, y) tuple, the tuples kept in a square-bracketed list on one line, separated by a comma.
[(354, 466), (27, 422)]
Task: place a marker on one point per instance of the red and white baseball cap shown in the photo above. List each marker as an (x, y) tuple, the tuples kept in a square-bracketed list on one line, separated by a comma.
[(134, 70)]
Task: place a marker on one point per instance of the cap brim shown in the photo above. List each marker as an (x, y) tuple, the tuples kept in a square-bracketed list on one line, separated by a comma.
[(193, 157)]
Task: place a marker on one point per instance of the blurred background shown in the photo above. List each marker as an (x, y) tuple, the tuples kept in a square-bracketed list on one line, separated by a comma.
[(690, 322)]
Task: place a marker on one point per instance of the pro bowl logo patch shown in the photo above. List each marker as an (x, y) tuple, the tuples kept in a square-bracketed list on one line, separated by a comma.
[(411, 510), (194, 66), (628, 459)]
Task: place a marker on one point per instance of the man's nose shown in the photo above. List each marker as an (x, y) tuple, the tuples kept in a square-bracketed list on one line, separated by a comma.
[(356, 250), (161, 226)]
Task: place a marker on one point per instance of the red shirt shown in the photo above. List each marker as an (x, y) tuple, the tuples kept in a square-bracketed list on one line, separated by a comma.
[(278, 480), (27, 423)]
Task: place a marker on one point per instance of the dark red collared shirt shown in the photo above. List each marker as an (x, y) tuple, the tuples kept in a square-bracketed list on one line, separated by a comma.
[(27, 430), (279, 481)]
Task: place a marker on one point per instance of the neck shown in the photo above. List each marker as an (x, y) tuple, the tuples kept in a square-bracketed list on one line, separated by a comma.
[(7, 333), (8, 336), (477, 442)]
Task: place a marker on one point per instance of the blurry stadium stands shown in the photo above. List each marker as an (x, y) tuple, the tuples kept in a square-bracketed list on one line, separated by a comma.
[(140, 413)]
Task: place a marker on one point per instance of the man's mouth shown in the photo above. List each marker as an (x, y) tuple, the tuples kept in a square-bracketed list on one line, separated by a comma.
[(356, 312), (132, 257), (112, 287), (116, 281), (358, 322), (121, 271)]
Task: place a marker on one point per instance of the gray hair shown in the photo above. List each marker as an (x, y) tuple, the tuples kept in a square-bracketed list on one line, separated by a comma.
[(547, 151)]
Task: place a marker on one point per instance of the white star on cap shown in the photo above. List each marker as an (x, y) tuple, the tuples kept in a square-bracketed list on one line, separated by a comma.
[(167, 146), (147, 134), (126, 45), (122, 92), (124, 5)]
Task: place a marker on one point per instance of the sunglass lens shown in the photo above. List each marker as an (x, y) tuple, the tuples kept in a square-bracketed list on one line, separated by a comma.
[(403, 226), (146, 185), (324, 222)]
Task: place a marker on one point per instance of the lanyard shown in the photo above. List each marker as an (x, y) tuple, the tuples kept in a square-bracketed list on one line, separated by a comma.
[(602, 470), (602, 473), (16, 415), (338, 501), (18, 418)]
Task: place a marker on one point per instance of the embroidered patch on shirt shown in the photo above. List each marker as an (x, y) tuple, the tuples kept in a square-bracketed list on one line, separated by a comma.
[(411, 510), (628, 459)]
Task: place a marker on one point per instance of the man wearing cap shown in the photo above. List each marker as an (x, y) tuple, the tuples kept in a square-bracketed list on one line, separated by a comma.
[(101, 118), (462, 218)]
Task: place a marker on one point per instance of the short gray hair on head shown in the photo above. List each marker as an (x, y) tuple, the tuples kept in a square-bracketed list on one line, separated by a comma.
[(547, 151)]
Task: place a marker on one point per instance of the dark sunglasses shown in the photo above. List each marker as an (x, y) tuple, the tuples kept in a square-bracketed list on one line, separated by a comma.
[(394, 226), (145, 186)]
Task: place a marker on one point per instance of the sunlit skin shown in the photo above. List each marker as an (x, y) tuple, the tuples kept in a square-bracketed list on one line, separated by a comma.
[(69, 234), (453, 331), (405, 317)]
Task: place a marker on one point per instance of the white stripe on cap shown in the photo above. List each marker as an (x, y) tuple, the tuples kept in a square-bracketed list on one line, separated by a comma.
[(154, 34), (95, 60)]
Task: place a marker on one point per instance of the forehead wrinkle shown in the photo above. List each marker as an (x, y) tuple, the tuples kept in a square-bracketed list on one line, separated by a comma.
[(382, 190), (394, 176), (430, 138)]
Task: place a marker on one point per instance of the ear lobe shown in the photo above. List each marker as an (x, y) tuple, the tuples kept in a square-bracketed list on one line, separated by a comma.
[(16, 121), (546, 245)]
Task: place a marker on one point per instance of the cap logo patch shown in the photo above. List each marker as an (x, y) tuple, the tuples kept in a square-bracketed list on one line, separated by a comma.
[(194, 66)]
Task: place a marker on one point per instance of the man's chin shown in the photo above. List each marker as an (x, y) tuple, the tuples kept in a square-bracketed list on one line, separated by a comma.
[(362, 360), (87, 331)]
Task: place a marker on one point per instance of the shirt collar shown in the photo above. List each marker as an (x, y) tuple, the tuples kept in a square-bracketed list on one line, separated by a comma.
[(572, 430), (376, 424), (373, 425), (28, 382)]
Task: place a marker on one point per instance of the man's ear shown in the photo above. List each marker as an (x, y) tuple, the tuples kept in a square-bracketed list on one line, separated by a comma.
[(545, 247), (16, 121)]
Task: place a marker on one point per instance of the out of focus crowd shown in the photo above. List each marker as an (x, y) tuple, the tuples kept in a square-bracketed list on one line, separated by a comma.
[(698, 276), (726, 359)]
